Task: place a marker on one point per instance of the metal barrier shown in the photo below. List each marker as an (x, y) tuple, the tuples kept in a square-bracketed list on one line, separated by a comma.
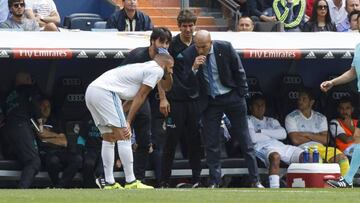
[(234, 7)]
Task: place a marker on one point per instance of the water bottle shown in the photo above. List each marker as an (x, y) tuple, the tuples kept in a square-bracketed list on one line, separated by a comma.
[(306, 155), (170, 122), (315, 155)]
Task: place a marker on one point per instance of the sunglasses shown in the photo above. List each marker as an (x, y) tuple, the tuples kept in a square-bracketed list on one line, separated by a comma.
[(322, 7), (18, 5)]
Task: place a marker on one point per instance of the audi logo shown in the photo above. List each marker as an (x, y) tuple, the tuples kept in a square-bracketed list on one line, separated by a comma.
[(75, 97), (293, 95), (252, 81), (292, 80), (339, 95), (71, 82)]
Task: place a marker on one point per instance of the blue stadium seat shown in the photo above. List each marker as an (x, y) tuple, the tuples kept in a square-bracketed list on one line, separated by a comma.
[(100, 25), (82, 21)]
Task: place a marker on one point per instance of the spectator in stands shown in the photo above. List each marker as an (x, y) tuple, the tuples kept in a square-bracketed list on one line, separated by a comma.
[(221, 90), (325, 86), (129, 18), (245, 24), (320, 19), (132, 82), (44, 12), (151, 115), (337, 11), (52, 146), (183, 119), (291, 13), (353, 18), (308, 128), (91, 141), (21, 105), (4, 10), (350, 6), (261, 10), (18, 19), (265, 133), (309, 9)]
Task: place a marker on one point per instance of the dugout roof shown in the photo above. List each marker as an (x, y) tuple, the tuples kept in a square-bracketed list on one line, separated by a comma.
[(115, 45)]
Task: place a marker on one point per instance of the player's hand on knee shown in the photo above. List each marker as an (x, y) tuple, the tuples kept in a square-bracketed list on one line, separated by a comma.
[(123, 133), (110, 137)]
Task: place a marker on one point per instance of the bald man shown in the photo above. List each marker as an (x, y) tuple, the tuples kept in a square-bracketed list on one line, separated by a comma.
[(214, 70)]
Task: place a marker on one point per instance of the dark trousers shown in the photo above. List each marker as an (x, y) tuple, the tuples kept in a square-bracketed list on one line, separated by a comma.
[(158, 137), (67, 162), (22, 138), (92, 167), (235, 108), (185, 118), (142, 128)]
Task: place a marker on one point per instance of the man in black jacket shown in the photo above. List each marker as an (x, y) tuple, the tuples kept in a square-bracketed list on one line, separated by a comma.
[(21, 105), (183, 119), (129, 18), (151, 114)]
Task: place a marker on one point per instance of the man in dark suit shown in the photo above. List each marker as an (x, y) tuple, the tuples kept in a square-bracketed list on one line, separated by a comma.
[(214, 69)]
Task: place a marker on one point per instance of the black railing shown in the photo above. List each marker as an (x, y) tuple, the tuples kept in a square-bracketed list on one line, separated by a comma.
[(234, 8)]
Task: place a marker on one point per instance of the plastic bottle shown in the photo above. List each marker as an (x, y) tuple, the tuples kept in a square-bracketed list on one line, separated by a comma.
[(315, 155), (170, 122), (306, 155)]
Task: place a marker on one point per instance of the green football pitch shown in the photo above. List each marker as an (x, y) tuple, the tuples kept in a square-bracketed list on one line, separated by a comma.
[(180, 195)]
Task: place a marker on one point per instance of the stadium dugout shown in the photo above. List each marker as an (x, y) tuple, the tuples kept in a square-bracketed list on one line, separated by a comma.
[(50, 56)]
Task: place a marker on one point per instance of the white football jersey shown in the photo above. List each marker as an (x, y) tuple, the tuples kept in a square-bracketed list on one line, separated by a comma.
[(127, 80), (270, 130), (297, 122)]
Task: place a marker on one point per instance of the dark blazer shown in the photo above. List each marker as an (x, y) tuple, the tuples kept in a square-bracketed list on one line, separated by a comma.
[(117, 20), (313, 27), (231, 71)]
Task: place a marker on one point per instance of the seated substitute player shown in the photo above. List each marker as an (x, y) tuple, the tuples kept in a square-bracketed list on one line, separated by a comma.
[(346, 141), (265, 133), (104, 97), (308, 128), (344, 134)]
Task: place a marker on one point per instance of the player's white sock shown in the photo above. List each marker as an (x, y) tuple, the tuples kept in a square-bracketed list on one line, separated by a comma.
[(127, 160), (274, 181), (108, 156)]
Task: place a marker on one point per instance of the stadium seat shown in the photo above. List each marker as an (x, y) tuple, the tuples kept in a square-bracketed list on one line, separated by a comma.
[(100, 25), (82, 21), (255, 88), (329, 100), (69, 100), (254, 85), (288, 93), (269, 27)]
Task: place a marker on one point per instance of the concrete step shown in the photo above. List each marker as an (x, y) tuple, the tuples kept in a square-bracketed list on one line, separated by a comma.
[(159, 3), (171, 20), (166, 11)]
